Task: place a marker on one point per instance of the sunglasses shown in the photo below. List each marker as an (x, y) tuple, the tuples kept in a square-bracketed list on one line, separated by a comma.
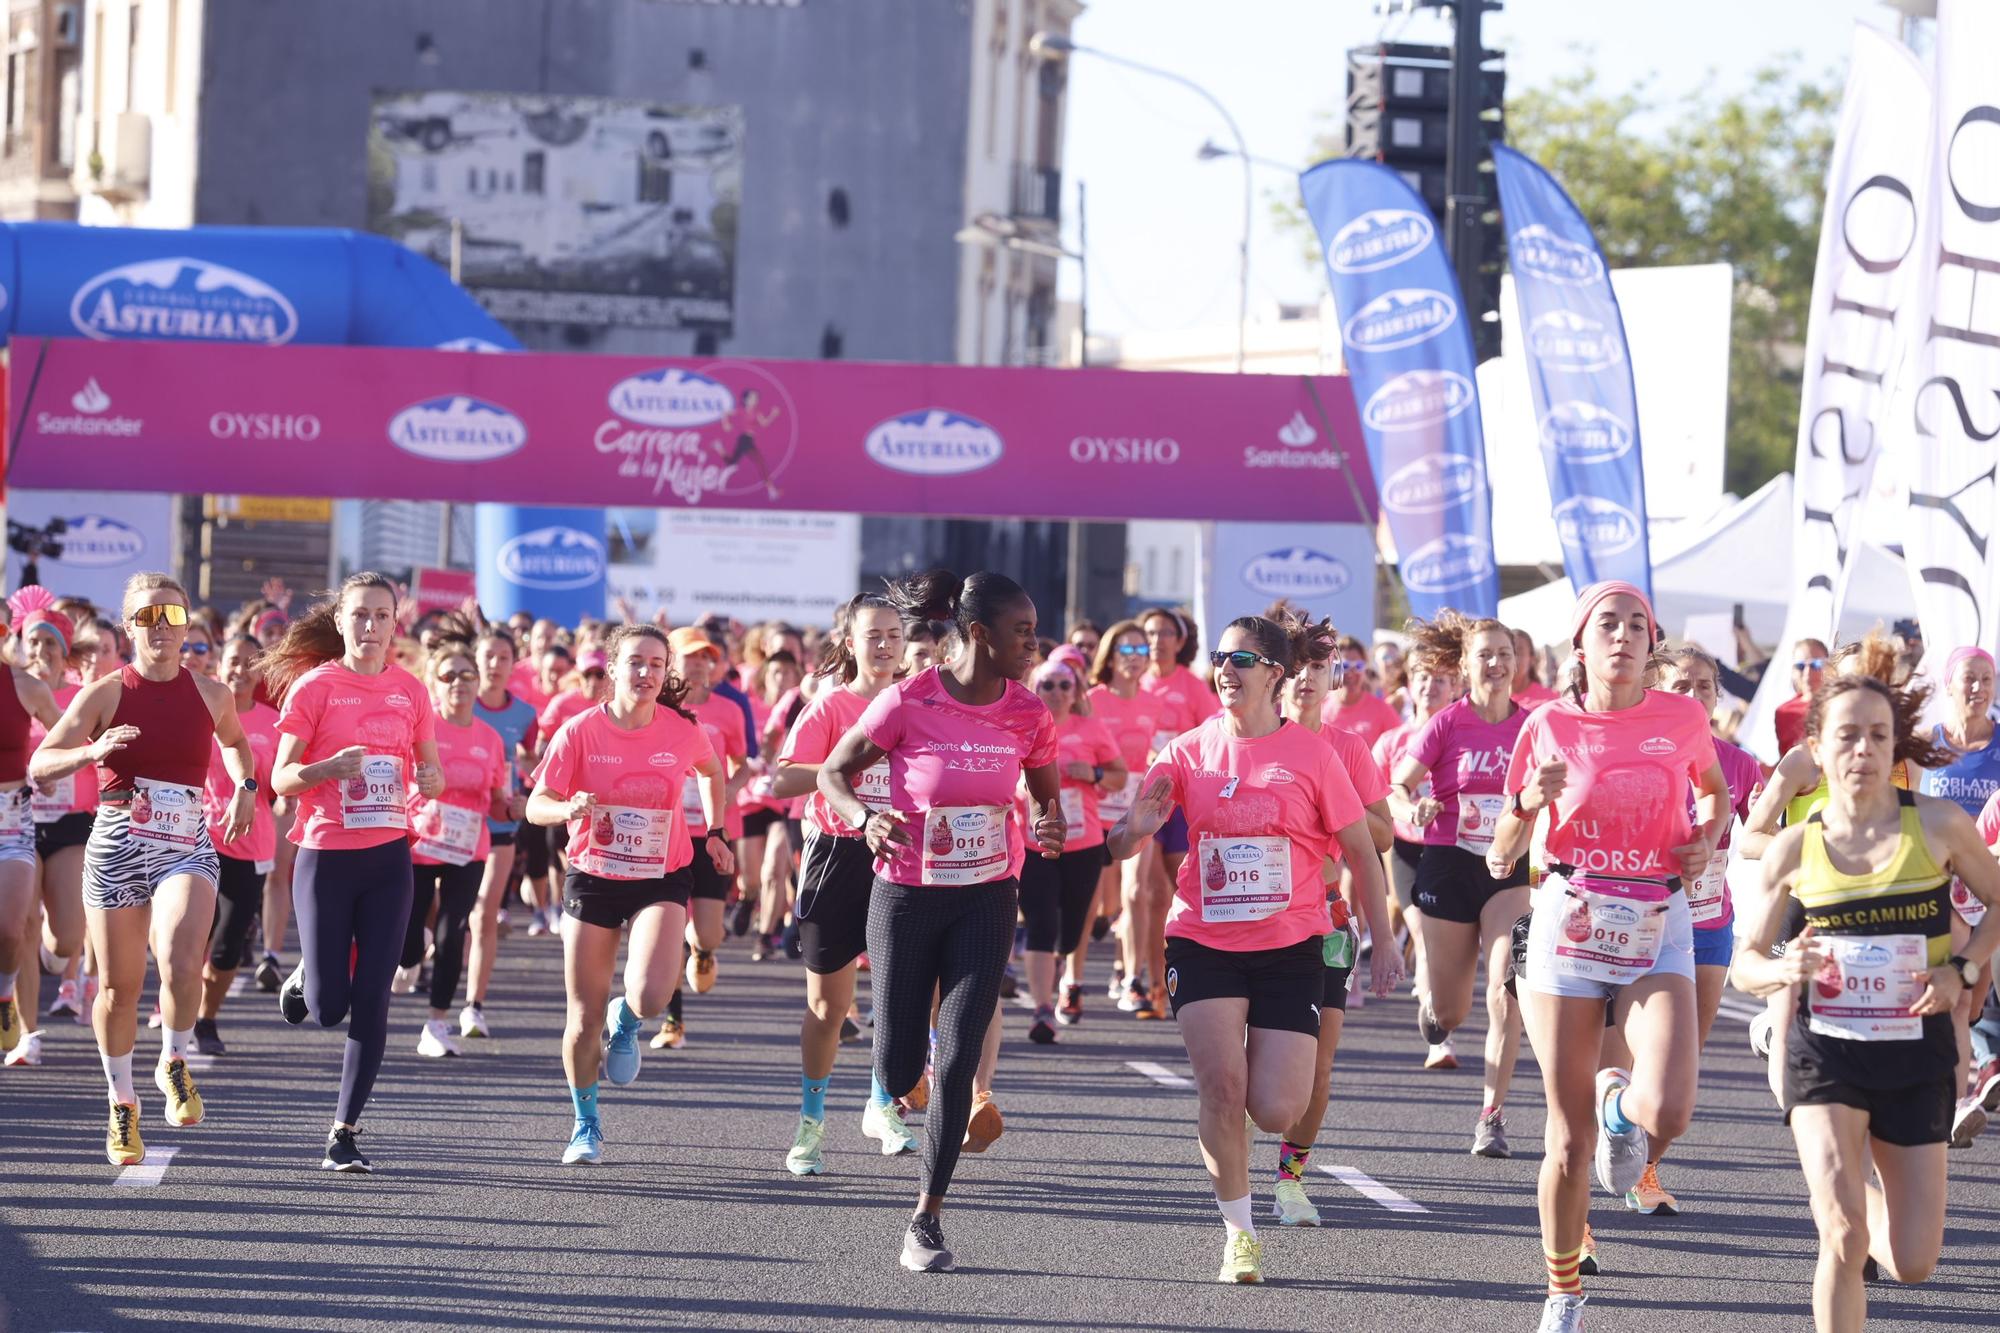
[(453, 677), (1810, 664), (198, 649), (1133, 650), (1064, 685), (172, 613), (1242, 659)]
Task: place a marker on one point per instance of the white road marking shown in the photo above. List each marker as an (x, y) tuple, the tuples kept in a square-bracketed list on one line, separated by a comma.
[(1372, 1189), (1160, 1074), (147, 1174)]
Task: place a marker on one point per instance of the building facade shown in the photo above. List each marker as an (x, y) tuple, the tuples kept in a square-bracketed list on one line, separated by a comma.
[(43, 90)]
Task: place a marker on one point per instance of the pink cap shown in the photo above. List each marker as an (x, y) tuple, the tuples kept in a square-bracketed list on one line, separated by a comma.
[(1592, 597), (592, 661), (1963, 654)]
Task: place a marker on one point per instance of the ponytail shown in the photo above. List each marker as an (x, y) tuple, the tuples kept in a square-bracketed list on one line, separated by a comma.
[(315, 638), (939, 594)]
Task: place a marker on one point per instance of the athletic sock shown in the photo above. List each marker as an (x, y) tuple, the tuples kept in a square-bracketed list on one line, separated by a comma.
[(585, 1100), (674, 1006), (7, 981), (174, 1045), (1236, 1215), (626, 1020), (1292, 1159), (118, 1073), (812, 1096), (1565, 1272), (877, 1094), (1614, 1114)]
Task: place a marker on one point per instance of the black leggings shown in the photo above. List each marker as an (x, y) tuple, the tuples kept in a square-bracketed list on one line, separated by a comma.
[(954, 941), (1057, 897), (239, 896), (353, 903), (456, 889)]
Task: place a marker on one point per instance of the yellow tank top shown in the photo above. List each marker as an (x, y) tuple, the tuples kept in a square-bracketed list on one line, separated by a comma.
[(1909, 896)]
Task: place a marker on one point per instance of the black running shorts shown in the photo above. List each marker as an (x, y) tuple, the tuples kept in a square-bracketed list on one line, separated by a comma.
[(836, 877), (1285, 987), (611, 903), (1454, 885)]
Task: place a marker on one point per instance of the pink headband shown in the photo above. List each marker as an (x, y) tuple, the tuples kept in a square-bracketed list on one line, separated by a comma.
[(1055, 664), (1964, 655), (1596, 594)]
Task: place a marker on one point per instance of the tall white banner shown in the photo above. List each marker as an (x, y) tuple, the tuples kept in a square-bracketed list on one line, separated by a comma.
[(1948, 424), (1877, 189)]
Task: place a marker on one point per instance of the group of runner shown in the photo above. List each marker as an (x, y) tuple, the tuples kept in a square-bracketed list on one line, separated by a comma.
[(946, 778)]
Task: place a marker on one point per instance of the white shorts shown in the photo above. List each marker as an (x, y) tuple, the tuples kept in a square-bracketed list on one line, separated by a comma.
[(1550, 908)]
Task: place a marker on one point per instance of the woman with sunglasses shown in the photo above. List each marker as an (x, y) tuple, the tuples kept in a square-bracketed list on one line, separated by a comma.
[(514, 718), (1356, 707), (958, 740), (1610, 923), (452, 840), (1133, 717), (149, 869), (25, 705), (1267, 804), (198, 649), (355, 733), (615, 774)]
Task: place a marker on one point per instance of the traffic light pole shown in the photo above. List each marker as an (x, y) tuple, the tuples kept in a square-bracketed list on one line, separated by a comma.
[(1465, 144)]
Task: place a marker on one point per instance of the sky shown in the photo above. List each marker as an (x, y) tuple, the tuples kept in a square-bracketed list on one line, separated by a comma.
[(1164, 227)]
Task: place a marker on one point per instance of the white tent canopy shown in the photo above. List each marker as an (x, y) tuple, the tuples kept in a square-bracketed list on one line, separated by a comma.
[(1742, 555)]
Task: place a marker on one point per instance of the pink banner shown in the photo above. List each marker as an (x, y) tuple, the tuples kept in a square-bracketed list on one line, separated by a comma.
[(554, 429)]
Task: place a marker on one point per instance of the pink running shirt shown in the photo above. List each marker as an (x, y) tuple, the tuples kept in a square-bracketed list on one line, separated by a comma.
[(1390, 747), (827, 718), (561, 709), (1370, 719), (260, 728), (1185, 699), (643, 769), (475, 763), (727, 737), (1082, 740), (1467, 757), (81, 786), (331, 708)]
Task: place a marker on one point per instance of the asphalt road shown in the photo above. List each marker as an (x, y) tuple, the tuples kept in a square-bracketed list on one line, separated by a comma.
[(1092, 1212)]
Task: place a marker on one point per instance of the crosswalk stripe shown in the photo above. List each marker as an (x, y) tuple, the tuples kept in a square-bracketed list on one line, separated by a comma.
[(1371, 1189), (1160, 1074), (147, 1173)]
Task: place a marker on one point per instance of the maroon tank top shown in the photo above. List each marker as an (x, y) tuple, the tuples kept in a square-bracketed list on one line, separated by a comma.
[(175, 731), (14, 722)]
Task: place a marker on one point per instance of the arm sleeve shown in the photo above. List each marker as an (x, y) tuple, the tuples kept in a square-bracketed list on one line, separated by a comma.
[(1522, 764), (810, 739), (1042, 747), (1365, 775), (1339, 804), (302, 710), (1428, 747), (882, 723), (557, 771)]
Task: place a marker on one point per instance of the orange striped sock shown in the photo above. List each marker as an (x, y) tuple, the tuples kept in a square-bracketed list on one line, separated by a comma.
[(1565, 1277)]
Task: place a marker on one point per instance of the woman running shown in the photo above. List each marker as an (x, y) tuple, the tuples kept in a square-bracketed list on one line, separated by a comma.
[(1432, 687), (242, 863), (1869, 1071), (958, 740), (1133, 717), (452, 842), (1246, 960), (568, 698), (765, 853), (149, 870), (62, 814), (1185, 702), (836, 871), (1357, 708), (513, 718), (27, 703), (356, 732), (615, 774), (1610, 764)]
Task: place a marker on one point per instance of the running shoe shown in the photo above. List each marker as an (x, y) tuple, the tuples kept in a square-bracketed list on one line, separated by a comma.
[(437, 1041), (122, 1144), (1149, 1012), (586, 1143), (1562, 1313), (885, 1125), (156, 1019), (804, 1159), (176, 1084), (1133, 998), (27, 1051), (1115, 992), (65, 1001), (923, 1246), (1042, 1031), (1070, 1013), (1587, 1265), (538, 925), (740, 917), (761, 949), (671, 1036), (701, 971), (1621, 1158), (1440, 1056), (1489, 1136), (554, 917), (1968, 1122), (1434, 1032), (207, 1041), (270, 974), (1985, 1084), (850, 1032), (621, 1049), (344, 1154), (1099, 929), (292, 996), (1242, 1259), (1650, 1197), (919, 1097), (406, 980), (1290, 1205), (1010, 985), (1761, 1029), (10, 1025), (986, 1126), (472, 1022)]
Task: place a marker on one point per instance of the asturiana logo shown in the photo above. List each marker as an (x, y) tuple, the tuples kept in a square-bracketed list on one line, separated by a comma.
[(1595, 525), (934, 442), (1538, 250), (1580, 432), (1418, 398), (1577, 344), (96, 540), (553, 558), (1400, 318), (1447, 564), (672, 397), (1297, 571), (1433, 483), (457, 430), (182, 298), (1379, 238)]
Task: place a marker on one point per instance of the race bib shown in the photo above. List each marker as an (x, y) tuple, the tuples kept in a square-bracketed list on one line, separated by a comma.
[(1708, 896), (448, 833), (1244, 879), (1864, 989), (1113, 806), (14, 811), (1970, 910), (166, 815), (624, 843), (375, 797), (1607, 938), (871, 784), (1478, 816), (1071, 801), (47, 809), (965, 844)]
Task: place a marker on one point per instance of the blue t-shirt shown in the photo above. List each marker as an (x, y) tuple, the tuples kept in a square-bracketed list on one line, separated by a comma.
[(513, 720), (742, 701), (1967, 781)]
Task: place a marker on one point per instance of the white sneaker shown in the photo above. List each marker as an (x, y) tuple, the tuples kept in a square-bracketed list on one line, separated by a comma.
[(536, 925), (28, 1050), (1291, 1206), (437, 1041), (1968, 1122), (472, 1022), (406, 980), (1760, 1035), (1620, 1158), (555, 920), (883, 1124), (1131, 999), (1562, 1314)]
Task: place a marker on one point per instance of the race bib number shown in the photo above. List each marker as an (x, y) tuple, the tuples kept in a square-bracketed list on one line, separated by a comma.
[(376, 796), (1244, 879), (1113, 806), (624, 843), (1708, 896), (1864, 989), (1071, 801), (871, 784), (965, 844), (166, 815), (691, 802), (14, 810), (1970, 910), (1478, 816), (47, 809), (1607, 938), (448, 833)]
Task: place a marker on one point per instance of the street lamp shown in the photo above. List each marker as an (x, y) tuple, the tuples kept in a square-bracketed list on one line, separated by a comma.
[(1210, 150), (997, 231), (1052, 46)]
